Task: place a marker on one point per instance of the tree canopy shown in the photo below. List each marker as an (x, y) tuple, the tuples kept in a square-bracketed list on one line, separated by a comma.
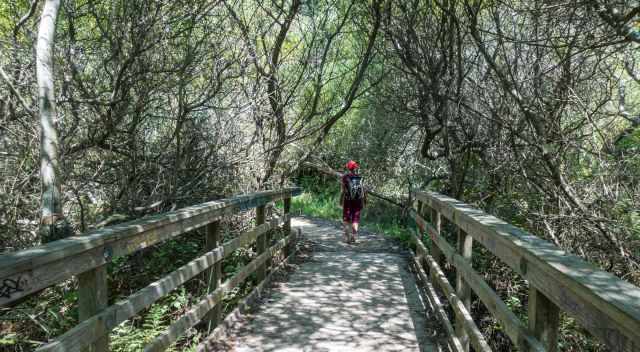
[(529, 109)]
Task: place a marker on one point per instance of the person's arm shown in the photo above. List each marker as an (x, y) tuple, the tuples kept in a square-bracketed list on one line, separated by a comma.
[(342, 190)]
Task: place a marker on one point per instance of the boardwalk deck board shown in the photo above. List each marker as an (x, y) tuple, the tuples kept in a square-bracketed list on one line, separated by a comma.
[(344, 298)]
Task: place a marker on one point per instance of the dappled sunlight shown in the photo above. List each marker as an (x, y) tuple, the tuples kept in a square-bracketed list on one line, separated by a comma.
[(343, 298)]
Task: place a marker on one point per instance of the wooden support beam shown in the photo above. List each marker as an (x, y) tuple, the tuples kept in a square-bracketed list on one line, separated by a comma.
[(287, 226), (91, 330), (213, 275), (438, 307), (419, 210), (236, 317), (36, 268), (93, 299), (463, 317), (544, 319), (200, 309), (463, 291), (511, 324), (436, 253), (261, 273)]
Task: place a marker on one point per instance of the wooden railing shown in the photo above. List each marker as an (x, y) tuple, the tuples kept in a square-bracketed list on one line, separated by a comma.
[(609, 308), (85, 257)]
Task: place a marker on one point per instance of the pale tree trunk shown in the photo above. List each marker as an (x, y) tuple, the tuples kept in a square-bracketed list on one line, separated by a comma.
[(52, 224)]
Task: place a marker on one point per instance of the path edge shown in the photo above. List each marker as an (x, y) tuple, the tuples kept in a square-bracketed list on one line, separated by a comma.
[(235, 318)]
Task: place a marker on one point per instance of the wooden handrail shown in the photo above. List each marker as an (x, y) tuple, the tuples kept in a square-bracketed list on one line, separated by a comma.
[(605, 305), (193, 316), (33, 269), (36, 268)]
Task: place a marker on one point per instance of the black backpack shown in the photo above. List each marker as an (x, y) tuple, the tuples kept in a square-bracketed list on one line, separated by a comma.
[(355, 188)]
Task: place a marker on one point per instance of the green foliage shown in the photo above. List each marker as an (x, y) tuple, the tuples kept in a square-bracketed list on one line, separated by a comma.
[(321, 199), (323, 205), (39, 319), (631, 141), (133, 335)]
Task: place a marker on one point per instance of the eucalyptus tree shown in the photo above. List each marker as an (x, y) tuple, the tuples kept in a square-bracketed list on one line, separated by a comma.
[(521, 99), (144, 111), (529, 109), (52, 224)]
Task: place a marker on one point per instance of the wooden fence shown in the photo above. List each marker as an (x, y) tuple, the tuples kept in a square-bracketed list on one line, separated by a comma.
[(606, 306), (85, 257)]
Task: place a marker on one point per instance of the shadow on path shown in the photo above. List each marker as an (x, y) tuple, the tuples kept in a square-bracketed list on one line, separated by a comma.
[(342, 298)]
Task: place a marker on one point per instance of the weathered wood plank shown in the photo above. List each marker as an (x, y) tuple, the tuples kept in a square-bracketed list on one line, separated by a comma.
[(94, 328), (287, 225), (213, 275), (421, 249), (512, 326), (437, 305), (435, 231), (93, 299), (261, 273), (195, 314), (463, 291), (463, 317), (418, 208), (424, 225), (544, 319), (235, 316), (34, 269), (605, 305)]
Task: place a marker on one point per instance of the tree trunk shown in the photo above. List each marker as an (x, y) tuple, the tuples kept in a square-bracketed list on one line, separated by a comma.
[(52, 224)]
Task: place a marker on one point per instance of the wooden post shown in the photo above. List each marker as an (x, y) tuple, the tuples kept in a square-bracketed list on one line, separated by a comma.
[(419, 232), (463, 291), (214, 275), (436, 253), (544, 319), (92, 299), (287, 227), (269, 241), (261, 272)]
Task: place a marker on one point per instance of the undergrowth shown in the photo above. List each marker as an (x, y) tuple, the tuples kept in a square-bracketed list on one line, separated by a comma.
[(321, 199), (53, 312)]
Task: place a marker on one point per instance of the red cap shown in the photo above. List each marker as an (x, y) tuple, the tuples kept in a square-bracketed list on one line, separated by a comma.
[(352, 165)]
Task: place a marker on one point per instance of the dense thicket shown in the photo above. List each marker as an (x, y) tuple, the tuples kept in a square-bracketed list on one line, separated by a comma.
[(528, 108), (167, 103)]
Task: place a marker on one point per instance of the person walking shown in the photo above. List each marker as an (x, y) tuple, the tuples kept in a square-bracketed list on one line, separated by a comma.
[(352, 200)]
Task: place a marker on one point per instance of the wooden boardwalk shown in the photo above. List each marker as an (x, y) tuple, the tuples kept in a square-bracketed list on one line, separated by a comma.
[(341, 298)]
